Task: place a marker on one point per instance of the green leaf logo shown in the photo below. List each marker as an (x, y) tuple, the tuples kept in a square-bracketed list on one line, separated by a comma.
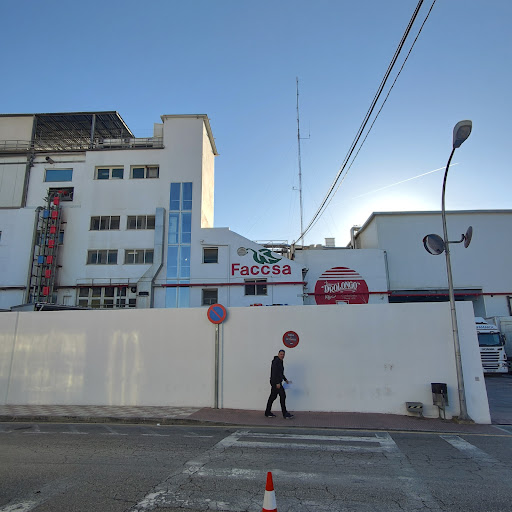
[(263, 256)]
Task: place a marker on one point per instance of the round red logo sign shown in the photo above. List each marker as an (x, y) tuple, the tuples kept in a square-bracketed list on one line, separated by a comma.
[(341, 284), (290, 339)]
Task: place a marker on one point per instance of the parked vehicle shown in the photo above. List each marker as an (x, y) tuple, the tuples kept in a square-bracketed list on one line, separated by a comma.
[(504, 324), (492, 347)]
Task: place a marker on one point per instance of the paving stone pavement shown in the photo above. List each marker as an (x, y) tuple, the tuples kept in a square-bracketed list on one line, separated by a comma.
[(207, 415), (499, 391)]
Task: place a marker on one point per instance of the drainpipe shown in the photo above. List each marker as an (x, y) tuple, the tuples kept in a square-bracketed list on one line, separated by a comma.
[(146, 283), (353, 231)]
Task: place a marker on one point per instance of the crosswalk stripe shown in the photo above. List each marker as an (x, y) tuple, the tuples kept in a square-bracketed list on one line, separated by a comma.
[(470, 450)]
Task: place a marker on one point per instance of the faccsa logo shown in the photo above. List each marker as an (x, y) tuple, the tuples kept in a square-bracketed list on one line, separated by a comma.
[(341, 284), (264, 258)]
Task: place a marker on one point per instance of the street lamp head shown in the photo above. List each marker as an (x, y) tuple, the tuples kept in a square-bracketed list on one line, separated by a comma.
[(461, 132)]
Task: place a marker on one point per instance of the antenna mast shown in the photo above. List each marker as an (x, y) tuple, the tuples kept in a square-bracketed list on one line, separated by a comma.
[(300, 167)]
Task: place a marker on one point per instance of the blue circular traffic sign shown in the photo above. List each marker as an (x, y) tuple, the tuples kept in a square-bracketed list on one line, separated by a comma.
[(216, 313)]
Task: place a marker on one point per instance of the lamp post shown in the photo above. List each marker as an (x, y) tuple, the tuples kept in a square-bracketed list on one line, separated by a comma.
[(461, 132)]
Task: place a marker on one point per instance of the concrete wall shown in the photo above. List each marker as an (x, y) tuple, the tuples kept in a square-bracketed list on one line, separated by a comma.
[(360, 358)]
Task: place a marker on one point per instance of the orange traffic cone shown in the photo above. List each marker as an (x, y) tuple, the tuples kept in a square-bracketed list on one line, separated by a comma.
[(269, 501)]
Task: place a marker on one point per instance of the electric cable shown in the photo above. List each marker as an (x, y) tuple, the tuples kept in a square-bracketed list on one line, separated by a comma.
[(377, 115), (328, 196)]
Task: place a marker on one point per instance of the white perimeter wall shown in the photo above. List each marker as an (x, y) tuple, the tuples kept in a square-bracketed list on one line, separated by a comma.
[(358, 358)]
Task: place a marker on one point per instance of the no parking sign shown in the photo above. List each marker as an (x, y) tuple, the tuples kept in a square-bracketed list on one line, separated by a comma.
[(216, 313)]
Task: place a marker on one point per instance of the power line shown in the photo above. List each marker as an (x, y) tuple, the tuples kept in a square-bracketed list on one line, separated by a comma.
[(312, 224), (328, 196)]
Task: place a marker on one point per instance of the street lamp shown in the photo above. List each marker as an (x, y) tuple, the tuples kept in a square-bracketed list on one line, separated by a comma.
[(435, 245)]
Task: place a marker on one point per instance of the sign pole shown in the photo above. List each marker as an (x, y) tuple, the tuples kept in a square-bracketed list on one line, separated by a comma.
[(216, 402), (216, 314)]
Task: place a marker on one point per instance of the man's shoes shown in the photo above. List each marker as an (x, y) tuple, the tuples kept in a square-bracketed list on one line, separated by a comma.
[(270, 415), (288, 416)]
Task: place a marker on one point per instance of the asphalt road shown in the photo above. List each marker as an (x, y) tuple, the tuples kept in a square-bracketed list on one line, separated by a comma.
[(85, 467)]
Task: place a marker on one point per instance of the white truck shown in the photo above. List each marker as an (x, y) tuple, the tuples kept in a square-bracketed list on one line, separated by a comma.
[(492, 347)]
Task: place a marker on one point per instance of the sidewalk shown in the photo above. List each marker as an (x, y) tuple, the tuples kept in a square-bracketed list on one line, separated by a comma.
[(234, 417)]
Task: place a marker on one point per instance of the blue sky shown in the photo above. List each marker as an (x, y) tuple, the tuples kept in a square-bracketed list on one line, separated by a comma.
[(237, 61)]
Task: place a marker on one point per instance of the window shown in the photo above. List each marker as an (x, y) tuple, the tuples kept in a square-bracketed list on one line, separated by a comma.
[(140, 222), (65, 193), (109, 173), (181, 197), (210, 296), (255, 287), (102, 257), (144, 171), (58, 175), (138, 256), (107, 297), (210, 255), (104, 222)]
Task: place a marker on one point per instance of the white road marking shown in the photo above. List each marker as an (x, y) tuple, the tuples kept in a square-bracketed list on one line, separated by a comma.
[(151, 433), (73, 430), (22, 506), (111, 432), (172, 491), (417, 493), (469, 450), (37, 430)]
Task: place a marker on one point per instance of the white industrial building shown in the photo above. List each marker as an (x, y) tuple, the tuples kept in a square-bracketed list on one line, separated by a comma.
[(92, 216)]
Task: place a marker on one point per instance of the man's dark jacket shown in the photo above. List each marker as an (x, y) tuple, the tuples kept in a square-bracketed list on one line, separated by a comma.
[(277, 371)]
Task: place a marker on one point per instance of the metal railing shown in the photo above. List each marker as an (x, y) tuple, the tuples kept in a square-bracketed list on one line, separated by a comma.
[(24, 146)]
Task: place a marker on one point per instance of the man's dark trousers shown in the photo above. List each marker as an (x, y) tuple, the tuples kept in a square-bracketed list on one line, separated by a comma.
[(273, 395)]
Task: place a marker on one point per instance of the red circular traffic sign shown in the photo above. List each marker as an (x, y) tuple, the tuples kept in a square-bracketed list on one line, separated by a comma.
[(290, 339), (216, 313)]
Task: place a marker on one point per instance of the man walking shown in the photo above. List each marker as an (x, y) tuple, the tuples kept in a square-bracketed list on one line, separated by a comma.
[(276, 383)]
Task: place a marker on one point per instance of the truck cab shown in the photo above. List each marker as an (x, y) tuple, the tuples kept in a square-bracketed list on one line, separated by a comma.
[(492, 347)]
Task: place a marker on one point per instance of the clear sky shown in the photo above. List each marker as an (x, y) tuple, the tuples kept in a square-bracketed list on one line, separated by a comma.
[(237, 62)]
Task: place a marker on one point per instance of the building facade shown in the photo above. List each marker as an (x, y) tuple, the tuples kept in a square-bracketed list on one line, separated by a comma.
[(93, 217), (481, 272)]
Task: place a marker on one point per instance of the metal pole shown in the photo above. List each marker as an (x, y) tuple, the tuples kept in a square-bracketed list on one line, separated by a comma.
[(460, 376), (216, 399), (300, 166)]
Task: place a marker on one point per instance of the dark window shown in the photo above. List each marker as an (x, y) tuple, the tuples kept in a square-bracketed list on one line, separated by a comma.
[(255, 287), (146, 171), (210, 255), (140, 222), (102, 257), (138, 256), (210, 296), (104, 222)]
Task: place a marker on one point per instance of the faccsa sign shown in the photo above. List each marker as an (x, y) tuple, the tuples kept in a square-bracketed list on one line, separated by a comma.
[(266, 264), (341, 284)]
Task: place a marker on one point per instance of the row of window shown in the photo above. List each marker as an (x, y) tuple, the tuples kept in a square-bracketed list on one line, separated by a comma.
[(109, 256), (108, 297), (252, 287), (137, 172), (108, 222), (112, 297)]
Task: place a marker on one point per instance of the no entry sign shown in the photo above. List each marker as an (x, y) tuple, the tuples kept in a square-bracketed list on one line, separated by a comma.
[(216, 313), (290, 339)]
